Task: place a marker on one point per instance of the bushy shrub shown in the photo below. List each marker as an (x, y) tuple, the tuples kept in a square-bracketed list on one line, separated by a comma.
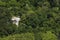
[(23, 36), (48, 35)]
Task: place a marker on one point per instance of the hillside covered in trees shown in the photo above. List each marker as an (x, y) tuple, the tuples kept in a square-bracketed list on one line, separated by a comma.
[(40, 19)]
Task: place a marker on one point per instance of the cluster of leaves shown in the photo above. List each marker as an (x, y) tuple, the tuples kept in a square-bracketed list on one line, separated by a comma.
[(23, 36), (31, 36), (36, 16)]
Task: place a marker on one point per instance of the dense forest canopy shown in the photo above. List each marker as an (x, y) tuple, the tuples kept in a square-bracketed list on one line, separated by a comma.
[(41, 17)]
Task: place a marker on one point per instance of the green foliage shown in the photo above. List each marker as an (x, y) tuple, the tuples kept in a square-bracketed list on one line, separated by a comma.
[(36, 16), (48, 36), (23, 36), (31, 36)]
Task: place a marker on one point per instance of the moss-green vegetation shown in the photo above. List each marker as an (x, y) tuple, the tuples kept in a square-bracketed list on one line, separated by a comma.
[(31, 36), (23, 36), (40, 17)]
